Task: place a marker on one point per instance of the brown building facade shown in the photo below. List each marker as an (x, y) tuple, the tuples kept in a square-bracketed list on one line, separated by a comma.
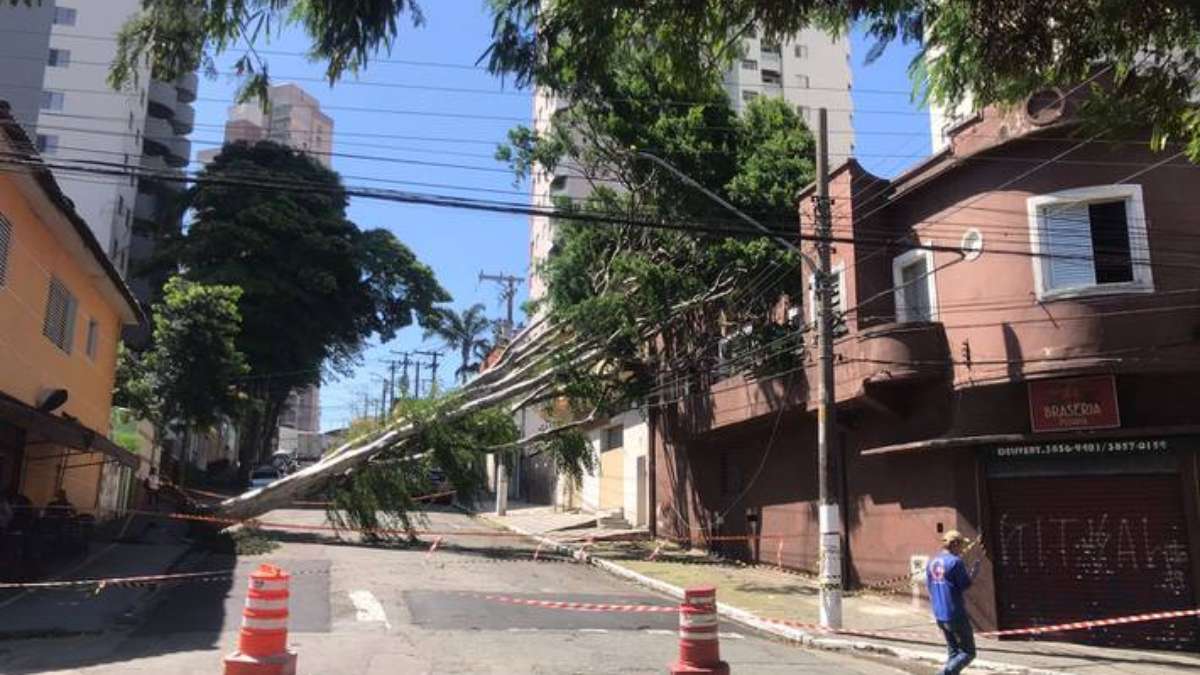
[(1018, 360)]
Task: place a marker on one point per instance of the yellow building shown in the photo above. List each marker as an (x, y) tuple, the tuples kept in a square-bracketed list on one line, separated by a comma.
[(62, 308)]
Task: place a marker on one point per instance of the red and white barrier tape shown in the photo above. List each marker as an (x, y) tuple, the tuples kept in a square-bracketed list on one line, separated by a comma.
[(144, 580), (1094, 623), (584, 606)]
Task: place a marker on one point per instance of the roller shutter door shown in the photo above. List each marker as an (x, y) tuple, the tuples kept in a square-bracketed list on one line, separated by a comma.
[(1088, 547)]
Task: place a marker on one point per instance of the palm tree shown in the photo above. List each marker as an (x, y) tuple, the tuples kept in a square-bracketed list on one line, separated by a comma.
[(464, 332)]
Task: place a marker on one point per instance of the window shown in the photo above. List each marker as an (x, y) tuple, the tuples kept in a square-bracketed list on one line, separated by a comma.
[(5, 244), (801, 51), (52, 100), (614, 438), (1090, 240), (838, 300), (64, 16), (772, 77), (749, 64), (60, 316), (59, 58), (771, 48), (93, 339), (802, 81), (748, 95), (47, 144), (558, 183), (916, 295)]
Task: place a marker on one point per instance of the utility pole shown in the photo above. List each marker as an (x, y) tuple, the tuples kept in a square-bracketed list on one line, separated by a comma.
[(829, 515), (404, 363), (433, 357), (416, 377), (392, 384), (508, 292)]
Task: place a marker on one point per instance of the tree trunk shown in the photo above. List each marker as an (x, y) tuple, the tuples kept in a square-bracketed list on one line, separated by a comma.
[(281, 493)]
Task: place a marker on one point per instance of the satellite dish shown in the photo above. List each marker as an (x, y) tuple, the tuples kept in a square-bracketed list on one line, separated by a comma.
[(52, 400)]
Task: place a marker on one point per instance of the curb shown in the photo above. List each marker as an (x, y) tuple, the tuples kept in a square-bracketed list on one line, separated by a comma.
[(136, 607), (750, 620)]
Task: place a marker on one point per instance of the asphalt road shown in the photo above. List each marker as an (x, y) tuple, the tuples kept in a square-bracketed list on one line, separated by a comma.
[(372, 609)]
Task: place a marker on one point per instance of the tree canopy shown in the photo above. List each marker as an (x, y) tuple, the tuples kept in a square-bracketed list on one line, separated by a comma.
[(993, 52), (464, 331), (182, 36), (190, 374), (315, 286)]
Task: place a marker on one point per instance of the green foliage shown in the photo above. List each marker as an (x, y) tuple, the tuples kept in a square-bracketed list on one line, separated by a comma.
[(195, 358), (382, 494), (180, 36), (996, 52), (617, 285), (190, 374), (570, 452), (465, 332), (316, 287)]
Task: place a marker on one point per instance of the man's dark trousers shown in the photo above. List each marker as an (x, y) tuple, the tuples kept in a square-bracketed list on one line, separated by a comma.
[(960, 644)]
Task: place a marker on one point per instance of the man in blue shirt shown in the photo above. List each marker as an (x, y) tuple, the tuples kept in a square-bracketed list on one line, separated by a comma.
[(947, 577)]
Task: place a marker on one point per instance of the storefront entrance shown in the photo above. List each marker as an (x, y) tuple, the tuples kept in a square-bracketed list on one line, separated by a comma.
[(1075, 547)]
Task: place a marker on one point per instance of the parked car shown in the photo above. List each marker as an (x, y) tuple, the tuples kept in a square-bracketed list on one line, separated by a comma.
[(441, 484), (264, 476)]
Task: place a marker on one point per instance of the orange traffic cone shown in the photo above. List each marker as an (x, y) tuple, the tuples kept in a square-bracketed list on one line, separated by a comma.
[(262, 642), (699, 648)]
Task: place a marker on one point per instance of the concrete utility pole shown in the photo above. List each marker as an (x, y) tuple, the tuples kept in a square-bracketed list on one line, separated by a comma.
[(829, 516), (404, 363), (433, 357), (508, 292)]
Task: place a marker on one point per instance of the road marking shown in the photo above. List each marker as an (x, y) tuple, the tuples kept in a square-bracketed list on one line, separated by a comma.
[(733, 636), (593, 630), (369, 609)]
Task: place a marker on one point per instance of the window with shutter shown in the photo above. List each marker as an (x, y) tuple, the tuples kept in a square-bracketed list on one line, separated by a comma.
[(912, 277), (5, 244), (1090, 240), (61, 307)]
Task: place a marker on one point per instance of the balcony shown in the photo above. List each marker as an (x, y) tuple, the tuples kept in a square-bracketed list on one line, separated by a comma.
[(771, 60), (164, 96), (152, 164), (185, 87), (184, 120), (902, 353), (146, 208)]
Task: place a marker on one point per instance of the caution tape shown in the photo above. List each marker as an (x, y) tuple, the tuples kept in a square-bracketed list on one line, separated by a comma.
[(1094, 623), (144, 580), (583, 606)]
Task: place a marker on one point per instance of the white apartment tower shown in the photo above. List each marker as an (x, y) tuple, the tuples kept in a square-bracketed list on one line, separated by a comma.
[(292, 117), (58, 57), (809, 70)]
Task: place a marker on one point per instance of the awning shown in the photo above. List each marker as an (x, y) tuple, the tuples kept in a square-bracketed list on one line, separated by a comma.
[(47, 428), (1006, 439)]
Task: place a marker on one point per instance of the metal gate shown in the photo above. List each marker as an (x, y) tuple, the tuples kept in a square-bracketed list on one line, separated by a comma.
[(1089, 547)]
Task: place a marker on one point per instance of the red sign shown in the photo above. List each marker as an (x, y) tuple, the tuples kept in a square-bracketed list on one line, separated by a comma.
[(1076, 403)]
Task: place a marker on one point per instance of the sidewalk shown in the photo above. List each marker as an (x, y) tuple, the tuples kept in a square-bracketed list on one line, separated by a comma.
[(143, 547), (757, 595), (564, 526)]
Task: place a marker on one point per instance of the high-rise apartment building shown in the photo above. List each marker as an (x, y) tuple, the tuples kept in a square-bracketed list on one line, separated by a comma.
[(56, 57), (809, 70), (292, 117)]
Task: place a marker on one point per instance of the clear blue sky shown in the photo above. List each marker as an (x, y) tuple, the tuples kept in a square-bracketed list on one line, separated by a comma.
[(459, 244)]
